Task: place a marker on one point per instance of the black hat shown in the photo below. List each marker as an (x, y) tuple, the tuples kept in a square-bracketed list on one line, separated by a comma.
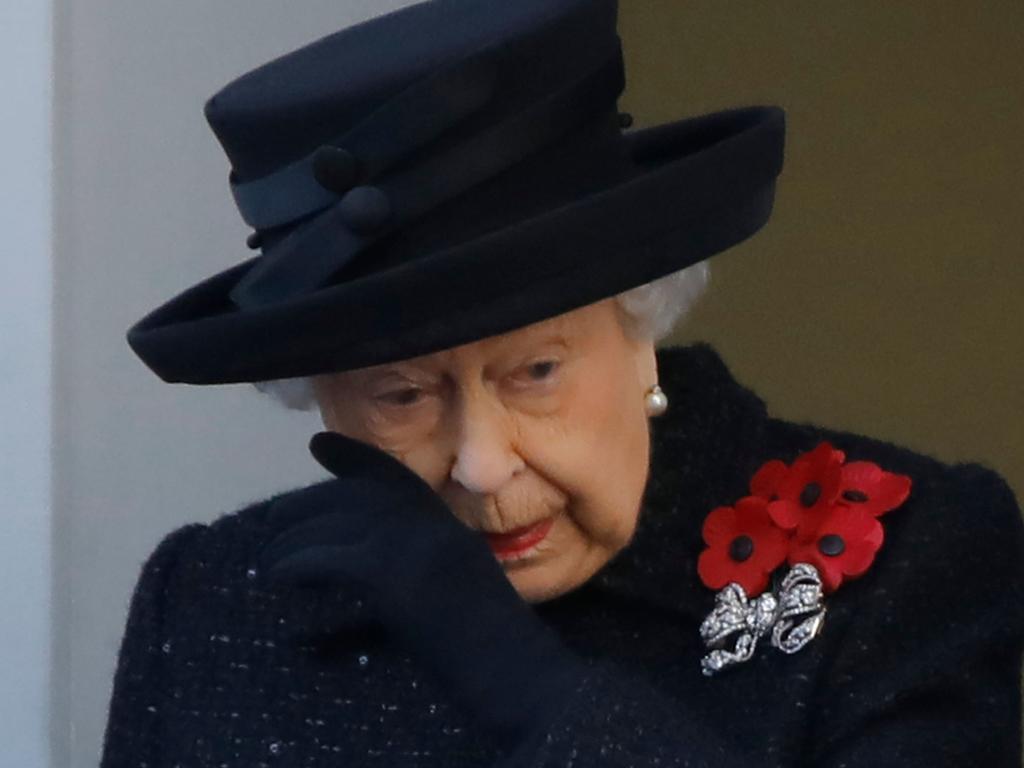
[(446, 172)]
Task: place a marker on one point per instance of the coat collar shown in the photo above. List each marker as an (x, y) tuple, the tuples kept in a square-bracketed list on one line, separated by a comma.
[(704, 449)]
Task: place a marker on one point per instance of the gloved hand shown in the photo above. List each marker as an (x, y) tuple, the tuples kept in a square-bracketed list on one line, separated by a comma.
[(433, 582)]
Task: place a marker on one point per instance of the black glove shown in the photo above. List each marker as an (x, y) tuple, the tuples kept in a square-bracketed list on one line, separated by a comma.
[(430, 580)]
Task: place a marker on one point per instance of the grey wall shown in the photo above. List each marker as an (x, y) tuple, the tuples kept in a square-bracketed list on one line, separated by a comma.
[(142, 211), (25, 380)]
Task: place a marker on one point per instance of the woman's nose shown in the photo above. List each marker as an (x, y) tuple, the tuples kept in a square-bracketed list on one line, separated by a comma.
[(484, 456)]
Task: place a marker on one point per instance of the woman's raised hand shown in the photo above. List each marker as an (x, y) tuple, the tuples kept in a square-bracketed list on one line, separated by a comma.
[(378, 523), (434, 583)]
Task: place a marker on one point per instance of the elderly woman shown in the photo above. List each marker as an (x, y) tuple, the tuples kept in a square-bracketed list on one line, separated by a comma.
[(546, 542)]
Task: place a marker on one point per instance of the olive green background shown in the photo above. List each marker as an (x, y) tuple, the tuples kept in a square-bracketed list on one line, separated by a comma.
[(882, 297)]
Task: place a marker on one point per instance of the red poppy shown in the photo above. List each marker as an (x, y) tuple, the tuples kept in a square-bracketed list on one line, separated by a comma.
[(818, 511), (743, 546), (842, 546), (800, 495), (869, 487)]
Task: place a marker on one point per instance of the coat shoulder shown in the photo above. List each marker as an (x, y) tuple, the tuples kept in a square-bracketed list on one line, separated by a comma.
[(212, 549), (230, 540), (207, 571)]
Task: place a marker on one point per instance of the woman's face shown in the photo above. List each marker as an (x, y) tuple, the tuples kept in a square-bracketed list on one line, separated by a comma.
[(546, 421)]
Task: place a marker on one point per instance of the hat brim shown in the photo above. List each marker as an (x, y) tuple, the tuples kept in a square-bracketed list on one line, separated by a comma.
[(702, 185)]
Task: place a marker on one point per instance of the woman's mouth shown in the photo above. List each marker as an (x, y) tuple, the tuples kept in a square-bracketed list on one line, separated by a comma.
[(521, 543)]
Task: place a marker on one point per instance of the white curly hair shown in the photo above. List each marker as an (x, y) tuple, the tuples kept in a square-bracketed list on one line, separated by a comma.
[(649, 311)]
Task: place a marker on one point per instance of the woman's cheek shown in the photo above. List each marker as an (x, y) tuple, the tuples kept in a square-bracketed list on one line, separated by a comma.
[(603, 514), (611, 473)]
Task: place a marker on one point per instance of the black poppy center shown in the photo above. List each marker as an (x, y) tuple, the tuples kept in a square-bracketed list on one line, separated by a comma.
[(855, 496), (831, 545), (810, 494), (742, 548)]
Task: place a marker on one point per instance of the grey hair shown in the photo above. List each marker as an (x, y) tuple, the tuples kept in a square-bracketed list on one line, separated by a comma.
[(649, 312)]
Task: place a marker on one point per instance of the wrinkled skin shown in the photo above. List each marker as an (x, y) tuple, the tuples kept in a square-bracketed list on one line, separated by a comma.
[(544, 421)]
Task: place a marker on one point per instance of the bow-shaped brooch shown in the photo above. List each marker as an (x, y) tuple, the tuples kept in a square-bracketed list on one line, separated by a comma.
[(819, 516)]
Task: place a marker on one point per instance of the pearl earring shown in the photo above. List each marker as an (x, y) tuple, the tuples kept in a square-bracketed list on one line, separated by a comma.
[(655, 401)]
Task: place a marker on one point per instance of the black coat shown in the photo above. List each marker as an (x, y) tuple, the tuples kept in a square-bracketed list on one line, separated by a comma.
[(918, 663)]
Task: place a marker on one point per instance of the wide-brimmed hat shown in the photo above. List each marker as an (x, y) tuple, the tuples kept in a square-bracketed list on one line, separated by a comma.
[(446, 172)]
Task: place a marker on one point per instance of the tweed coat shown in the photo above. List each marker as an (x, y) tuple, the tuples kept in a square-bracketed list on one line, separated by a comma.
[(918, 662)]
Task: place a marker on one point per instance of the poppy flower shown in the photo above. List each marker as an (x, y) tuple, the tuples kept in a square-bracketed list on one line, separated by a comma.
[(800, 495), (744, 546), (842, 545), (866, 485)]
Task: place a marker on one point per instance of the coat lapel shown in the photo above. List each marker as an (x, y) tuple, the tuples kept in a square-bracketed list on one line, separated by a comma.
[(704, 449)]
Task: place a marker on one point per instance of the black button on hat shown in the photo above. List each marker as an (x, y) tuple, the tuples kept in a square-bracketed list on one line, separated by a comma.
[(335, 169), (365, 209)]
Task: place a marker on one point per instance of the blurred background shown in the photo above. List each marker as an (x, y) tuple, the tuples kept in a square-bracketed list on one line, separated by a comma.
[(881, 298), (884, 296)]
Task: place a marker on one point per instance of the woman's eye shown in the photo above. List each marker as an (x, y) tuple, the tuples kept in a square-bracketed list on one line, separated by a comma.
[(542, 370), (401, 397)]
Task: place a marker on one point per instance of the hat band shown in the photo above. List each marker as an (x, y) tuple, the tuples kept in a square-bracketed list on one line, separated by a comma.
[(401, 125), (308, 256)]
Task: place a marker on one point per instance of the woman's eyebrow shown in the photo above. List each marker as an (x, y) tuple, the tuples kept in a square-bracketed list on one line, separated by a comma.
[(375, 375), (403, 373), (553, 338)]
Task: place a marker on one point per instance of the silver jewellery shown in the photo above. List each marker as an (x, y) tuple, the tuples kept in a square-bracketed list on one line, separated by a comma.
[(655, 401), (820, 515), (794, 615)]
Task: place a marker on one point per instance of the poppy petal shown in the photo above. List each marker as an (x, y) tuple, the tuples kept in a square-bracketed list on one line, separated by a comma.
[(875, 536), (719, 527), (852, 523), (766, 481), (785, 513), (861, 475), (754, 581), (893, 490), (771, 549), (715, 568), (858, 558), (831, 574)]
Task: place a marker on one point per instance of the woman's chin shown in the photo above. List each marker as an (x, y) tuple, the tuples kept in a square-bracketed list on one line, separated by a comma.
[(554, 575), (535, 588), (533, 574), (562, 561)]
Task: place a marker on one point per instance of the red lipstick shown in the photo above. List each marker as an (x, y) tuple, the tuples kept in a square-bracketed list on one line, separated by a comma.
[(521, 539)]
